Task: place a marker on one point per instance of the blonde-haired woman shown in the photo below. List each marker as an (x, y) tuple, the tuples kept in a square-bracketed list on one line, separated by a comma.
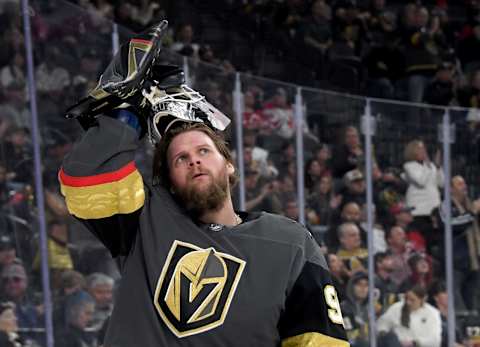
[(424, 179)]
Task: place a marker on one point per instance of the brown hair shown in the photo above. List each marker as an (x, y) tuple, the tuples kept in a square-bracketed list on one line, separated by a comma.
[(161, 174), (420, 292)]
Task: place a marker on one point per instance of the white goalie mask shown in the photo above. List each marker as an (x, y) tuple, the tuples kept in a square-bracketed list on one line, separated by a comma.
[(180, 104)]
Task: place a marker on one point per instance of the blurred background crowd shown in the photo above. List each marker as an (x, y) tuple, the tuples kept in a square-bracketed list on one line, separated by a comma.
[(423, 51)]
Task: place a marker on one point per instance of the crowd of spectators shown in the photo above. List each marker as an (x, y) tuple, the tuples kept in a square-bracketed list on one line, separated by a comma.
[(419, 51), (409, 210)]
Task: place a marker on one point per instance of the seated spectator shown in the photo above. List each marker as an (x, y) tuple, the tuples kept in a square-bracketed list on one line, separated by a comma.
[(355, 310), (424, 179), (9, 336), (184, 43), (348, 154), (59, 257), (313, 174), (351, 251), (439, 299), (252, 115), (278, 113), (71, 282), (322, 203), (421, 272), (17, 155), (14, 108), (401, 250), (340, 275), (260, 196), (14, 72), (207, 55), (100, 287), (15, 289), (290, 208), (8, 253), (323, 155), (411, 322), (388, 189), (466, 242), (387, 288), (351, 213), (79, 309), (355, 187), (402, 216), (259, 156), (50, 77)]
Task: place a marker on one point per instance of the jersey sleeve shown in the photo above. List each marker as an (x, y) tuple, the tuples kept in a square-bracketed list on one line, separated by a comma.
[(312, 314), (102, 186)]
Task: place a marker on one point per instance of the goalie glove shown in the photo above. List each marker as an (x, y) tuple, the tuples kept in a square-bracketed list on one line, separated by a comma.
[(122, 81)]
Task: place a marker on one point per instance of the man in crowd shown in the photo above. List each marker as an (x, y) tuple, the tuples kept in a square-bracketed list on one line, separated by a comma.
[(100, 287)]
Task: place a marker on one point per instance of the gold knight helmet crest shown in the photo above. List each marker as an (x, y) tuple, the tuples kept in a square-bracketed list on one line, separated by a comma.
[(196, 288)]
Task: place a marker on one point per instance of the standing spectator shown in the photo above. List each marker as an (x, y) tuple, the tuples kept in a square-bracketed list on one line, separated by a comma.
[(355, 310), (349, 153), (413, 322), (387, 288), (184, 43), (351, 251), (424, 178), (100, 287), (441, 90), (316, 34), (469, 49), (466, 242), (423, 47)]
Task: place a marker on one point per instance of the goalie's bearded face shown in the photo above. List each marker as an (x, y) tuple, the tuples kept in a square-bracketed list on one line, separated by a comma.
[(199, 173)]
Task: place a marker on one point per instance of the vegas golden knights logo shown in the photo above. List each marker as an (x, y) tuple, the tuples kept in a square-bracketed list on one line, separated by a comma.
[(196, 287)]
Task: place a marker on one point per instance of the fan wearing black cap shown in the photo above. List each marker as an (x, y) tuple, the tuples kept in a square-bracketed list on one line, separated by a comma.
[(195, 272)]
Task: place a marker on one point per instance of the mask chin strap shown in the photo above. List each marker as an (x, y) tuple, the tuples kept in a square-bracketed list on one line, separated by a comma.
[(180, 104)]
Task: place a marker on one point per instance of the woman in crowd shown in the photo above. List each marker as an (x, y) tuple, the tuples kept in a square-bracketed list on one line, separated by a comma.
[(411, 322), (79, 309), (424, 178)]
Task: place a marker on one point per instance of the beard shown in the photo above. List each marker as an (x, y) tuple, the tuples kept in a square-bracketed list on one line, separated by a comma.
[(199, 200)]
